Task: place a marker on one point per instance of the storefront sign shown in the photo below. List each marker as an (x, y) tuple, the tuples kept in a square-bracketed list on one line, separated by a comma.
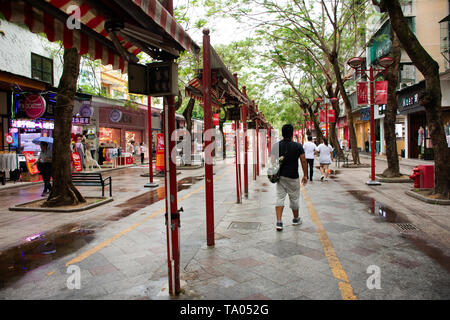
[(115, 115), (81, 120), (31, 162), (34, 106), (86, 110), (365, 114), (76, 162), (159, 165), (381, 88), (32, 124), (362, 97), (408, 98), (331, 117), (9, 138)]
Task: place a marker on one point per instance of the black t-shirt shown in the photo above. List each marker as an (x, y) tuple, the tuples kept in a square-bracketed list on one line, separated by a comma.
[(289, 168)]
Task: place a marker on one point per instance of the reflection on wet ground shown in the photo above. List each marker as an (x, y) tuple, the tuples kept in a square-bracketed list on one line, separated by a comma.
[(387, 214), (42, 248), (378, 209), (135, 204)]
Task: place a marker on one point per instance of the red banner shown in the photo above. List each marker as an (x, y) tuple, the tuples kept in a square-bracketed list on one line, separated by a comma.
[(307, 125), (381, 88), (322, 116), (215, 119), (159, 165), (31, 162), (76, 162), (362, 96), (331, 115)]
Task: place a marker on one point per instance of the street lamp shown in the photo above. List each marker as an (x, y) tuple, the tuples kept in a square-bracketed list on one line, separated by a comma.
[(357, 63)]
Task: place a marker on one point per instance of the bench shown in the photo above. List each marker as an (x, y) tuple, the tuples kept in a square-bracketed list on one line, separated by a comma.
[(343, 158), (93, 179)]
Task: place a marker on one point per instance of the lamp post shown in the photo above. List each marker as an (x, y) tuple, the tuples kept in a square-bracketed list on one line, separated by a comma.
[(357, 63)]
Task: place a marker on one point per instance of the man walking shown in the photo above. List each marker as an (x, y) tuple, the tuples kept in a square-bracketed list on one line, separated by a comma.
[(309, 148), (289, 178), (44, 164)]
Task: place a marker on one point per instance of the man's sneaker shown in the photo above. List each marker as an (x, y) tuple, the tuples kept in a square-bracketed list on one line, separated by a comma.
[(321, 178), (296, 221), (279, 226)]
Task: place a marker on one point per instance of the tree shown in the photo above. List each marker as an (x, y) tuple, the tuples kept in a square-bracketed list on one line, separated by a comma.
[(63, 191), (430, 98), (393, 169)]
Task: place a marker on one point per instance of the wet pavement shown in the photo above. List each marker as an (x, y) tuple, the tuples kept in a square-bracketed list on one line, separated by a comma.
[(120, 249)]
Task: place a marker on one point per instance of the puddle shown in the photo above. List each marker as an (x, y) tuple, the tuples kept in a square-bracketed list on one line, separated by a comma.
[(378, 209), (135, 204), (40, 249)]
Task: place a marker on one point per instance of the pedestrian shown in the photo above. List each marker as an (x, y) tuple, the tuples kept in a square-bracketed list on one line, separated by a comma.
[(325, 158), (310, 149), (44, 164), (142, 151), (289, 178)]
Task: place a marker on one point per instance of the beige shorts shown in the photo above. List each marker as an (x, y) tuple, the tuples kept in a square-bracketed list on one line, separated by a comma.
[(292, 188)]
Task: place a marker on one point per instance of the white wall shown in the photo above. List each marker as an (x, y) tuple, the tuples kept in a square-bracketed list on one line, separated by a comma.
[(16, 46)]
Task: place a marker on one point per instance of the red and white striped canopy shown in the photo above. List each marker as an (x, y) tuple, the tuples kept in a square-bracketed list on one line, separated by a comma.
[(40, 21)]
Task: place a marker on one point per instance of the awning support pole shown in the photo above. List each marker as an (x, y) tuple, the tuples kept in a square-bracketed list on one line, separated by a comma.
[(244, 127), (209, 187)]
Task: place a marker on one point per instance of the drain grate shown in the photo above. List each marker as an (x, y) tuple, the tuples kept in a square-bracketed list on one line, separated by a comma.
[(244, 225), (405, 227)]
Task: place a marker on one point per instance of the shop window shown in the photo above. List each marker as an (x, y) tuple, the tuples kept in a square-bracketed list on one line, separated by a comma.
[(42, 68)]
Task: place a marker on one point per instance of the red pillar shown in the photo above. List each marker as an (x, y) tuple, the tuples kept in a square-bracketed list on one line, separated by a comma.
[(172, 218), (150, 145), (244, 124), (257, 144), (237, 147), (372, 123), (209, 188)]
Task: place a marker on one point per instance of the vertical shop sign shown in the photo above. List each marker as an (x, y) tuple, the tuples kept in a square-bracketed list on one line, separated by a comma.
[(31, 162), (362, 96), (76, 162), (159, 165), (215, 119)]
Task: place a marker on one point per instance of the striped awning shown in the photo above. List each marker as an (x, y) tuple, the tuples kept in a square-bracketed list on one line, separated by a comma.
[(40, 16), (194, 90), (163, 18)]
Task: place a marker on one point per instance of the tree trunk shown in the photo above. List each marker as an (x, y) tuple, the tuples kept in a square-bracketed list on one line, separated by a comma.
[(332, 134), (64, 192), (393, 169), (430, 99), (348, 109), (187, 114)]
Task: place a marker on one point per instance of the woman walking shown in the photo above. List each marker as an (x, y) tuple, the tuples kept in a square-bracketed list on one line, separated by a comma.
[(325, 158)]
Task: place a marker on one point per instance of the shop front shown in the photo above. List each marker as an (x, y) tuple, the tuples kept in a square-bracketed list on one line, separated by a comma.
[(120, 128), (342, 132), (361, 120)]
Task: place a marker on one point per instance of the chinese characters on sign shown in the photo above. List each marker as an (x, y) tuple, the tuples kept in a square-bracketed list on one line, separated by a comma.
[(381, 92), (361, 93), (159, 152)]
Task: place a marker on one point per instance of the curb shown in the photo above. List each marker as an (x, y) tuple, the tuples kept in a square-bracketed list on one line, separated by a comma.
[(393, 180), (417, 196), (19, 208)]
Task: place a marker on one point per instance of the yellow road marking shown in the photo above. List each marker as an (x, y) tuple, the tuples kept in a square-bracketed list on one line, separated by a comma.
[(333, 260), (127, 230)]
